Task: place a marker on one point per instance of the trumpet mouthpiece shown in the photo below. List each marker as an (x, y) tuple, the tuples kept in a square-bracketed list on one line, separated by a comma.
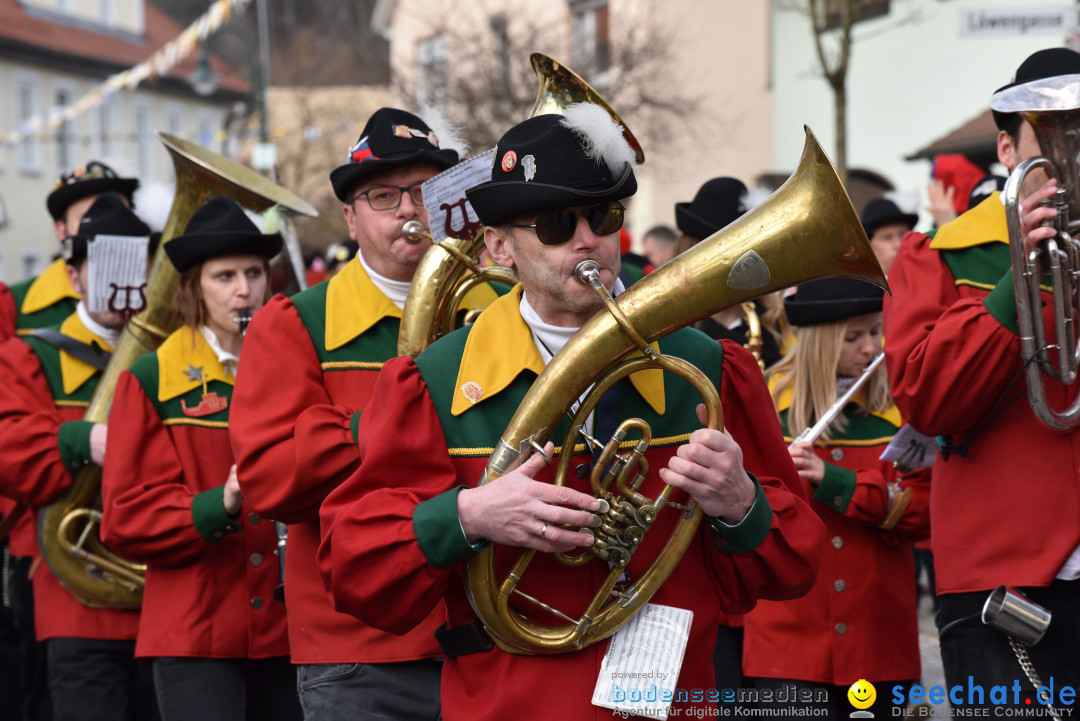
[(415, 232), (588, 272)]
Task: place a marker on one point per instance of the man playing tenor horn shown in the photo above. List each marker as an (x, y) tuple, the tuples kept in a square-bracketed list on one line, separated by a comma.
[(396, 533)]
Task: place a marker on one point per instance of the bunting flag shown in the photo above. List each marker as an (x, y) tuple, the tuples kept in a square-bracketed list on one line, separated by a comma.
[(158, 64)]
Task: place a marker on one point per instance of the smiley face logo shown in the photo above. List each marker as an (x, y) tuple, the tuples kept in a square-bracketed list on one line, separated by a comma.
[(862, 694)]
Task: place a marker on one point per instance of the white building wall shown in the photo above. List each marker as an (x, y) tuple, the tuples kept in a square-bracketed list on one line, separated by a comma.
[(720, 56), (908, 83), (29, 232)]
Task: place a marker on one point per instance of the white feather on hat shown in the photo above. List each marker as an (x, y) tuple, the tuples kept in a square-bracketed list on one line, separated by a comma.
[(152, 202), (603, 137), (269, 221), (754, 197), (449, 135)]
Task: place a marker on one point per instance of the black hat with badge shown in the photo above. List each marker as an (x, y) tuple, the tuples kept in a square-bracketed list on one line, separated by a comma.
[(391, 139), (579, 157), (718, 203), (1041, 64), (220, 227), (882, 211), (108, 215), (90, 179), (832, 299)]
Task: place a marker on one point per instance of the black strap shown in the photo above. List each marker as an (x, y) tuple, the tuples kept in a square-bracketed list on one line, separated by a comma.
[(92, 355), (463, 640)]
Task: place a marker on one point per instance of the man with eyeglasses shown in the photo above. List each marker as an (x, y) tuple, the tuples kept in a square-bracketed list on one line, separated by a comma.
[(396, 534), (307, 369)]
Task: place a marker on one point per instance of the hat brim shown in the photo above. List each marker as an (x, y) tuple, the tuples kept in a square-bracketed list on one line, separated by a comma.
[(817, 312), (908, 219), (692, 224), (345, 178), (187, 251), (61, 199), (496, 203)]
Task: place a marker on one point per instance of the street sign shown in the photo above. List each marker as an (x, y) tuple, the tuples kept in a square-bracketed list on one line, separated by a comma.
[(1057, 20)]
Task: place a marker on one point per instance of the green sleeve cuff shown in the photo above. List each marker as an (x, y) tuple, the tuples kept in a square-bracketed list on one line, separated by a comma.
[(208, 512), (438, 530), (747, 534), (354, 426), (74, 441), (1001, 303), (837, 487)]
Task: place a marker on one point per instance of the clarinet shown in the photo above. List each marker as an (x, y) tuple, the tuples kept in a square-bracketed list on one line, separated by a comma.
[(242, 319)]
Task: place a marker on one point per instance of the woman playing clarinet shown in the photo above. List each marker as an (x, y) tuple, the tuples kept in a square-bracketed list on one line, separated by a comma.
[(210, 624)]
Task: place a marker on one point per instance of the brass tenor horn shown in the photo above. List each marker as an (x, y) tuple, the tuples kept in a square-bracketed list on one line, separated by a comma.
[(451, 268), (1052, 106), (68, 527), (807, 230)]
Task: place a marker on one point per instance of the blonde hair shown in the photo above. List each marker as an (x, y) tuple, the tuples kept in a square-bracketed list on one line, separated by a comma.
[(809, 371), (773, 317)]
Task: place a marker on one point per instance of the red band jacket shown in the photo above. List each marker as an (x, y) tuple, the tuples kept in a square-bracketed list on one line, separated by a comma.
[(210, 578), (860, 619), (1004, 505), (307, 370), (43, 398), (392, 543)]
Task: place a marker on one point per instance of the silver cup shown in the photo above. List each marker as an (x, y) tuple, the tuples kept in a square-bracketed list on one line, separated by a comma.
[(1008, 610)]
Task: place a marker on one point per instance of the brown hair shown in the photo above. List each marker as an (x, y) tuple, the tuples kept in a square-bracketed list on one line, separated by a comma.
[(188, 306), (809, 370)]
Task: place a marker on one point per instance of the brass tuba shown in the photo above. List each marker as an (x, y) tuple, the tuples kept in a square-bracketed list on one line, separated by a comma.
[(67, 528), (451, 268), (807, 230), (1052, 106)]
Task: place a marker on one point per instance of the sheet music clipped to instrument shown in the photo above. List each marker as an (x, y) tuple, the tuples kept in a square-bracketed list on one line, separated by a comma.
[(444, 196), (116, 273)]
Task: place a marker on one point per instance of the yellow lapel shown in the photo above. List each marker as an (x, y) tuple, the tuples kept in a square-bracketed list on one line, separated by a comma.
[(481, 296), (486, 371), (891, 414), (182, 353), (354, 304), (985, 223), (72, 370), (48, 288)]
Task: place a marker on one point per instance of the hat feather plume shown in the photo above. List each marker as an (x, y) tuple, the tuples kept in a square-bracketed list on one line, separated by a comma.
[(754, 197), (269, 221), (602, 136), (152, 203), (450, 135)]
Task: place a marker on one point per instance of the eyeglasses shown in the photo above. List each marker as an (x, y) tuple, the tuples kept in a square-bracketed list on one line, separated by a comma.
[(388, 197), (557, 226)]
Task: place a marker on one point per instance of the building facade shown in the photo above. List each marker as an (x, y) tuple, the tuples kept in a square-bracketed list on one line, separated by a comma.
[(689, 78), (53, 52), (919, 70)]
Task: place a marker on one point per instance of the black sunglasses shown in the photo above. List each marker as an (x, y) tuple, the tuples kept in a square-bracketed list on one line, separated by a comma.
[(557, 226)]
